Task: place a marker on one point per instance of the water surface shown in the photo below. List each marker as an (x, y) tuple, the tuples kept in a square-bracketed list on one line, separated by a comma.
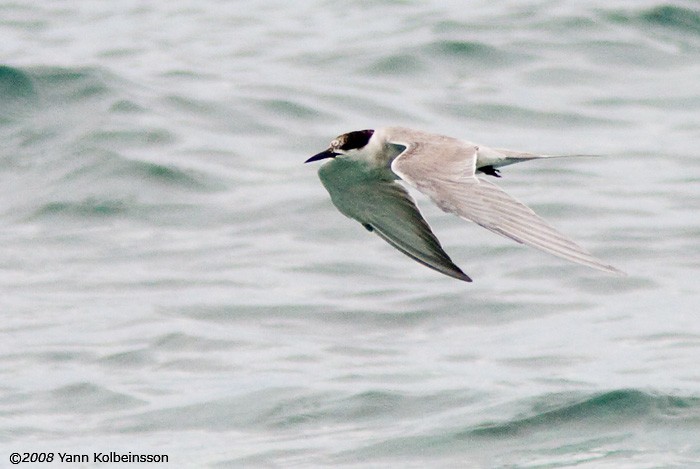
[(173, 279)]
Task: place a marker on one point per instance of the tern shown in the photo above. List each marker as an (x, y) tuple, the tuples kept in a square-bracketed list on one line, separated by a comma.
[(365, 165)]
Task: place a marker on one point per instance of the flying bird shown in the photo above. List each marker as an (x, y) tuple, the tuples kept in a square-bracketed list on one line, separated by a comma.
[(361, 178)]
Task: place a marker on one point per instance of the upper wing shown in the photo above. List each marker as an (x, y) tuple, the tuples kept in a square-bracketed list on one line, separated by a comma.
[(385, 207), (444, 171)]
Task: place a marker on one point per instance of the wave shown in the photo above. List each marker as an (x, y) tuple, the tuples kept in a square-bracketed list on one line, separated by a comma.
[(685, 20), (39, 88), (17, 92), (287, 407), (81, 397), (604, 409), (562, 429), (87, 143), (430, 427)]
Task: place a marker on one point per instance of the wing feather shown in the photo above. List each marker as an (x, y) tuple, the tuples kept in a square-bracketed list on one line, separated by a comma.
[(385, 207), (445, 172)]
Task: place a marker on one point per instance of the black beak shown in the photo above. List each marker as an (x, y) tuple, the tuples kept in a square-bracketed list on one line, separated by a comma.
[(323, 155)]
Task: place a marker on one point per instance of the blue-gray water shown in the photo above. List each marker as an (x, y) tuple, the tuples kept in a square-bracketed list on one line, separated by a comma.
[(174, 280)]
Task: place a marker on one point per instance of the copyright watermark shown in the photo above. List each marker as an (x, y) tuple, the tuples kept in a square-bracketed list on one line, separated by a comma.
[(95, 457)]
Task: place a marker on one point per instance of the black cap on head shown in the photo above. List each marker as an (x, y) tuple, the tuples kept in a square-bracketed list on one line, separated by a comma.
[(355, 140), (349, 141)]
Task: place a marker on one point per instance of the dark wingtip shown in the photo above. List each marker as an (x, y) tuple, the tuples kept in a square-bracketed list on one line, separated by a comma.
[(462, 276), (454, 272)]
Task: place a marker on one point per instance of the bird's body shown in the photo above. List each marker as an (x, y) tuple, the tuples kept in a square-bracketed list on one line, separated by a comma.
[(361, 180)]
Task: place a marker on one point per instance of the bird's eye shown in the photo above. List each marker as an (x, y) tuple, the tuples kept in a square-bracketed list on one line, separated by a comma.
[(335, 143)]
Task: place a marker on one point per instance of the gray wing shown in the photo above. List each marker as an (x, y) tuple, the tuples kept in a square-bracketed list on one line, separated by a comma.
[(386, 208), (445, 172)]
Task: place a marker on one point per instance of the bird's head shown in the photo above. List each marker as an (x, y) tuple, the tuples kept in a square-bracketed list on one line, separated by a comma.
[(344, 144)]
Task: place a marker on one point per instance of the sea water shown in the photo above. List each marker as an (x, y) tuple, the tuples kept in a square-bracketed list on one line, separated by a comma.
[(174, 281)]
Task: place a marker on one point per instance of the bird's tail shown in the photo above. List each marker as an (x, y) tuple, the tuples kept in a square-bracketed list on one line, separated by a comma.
[(517, 156)]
